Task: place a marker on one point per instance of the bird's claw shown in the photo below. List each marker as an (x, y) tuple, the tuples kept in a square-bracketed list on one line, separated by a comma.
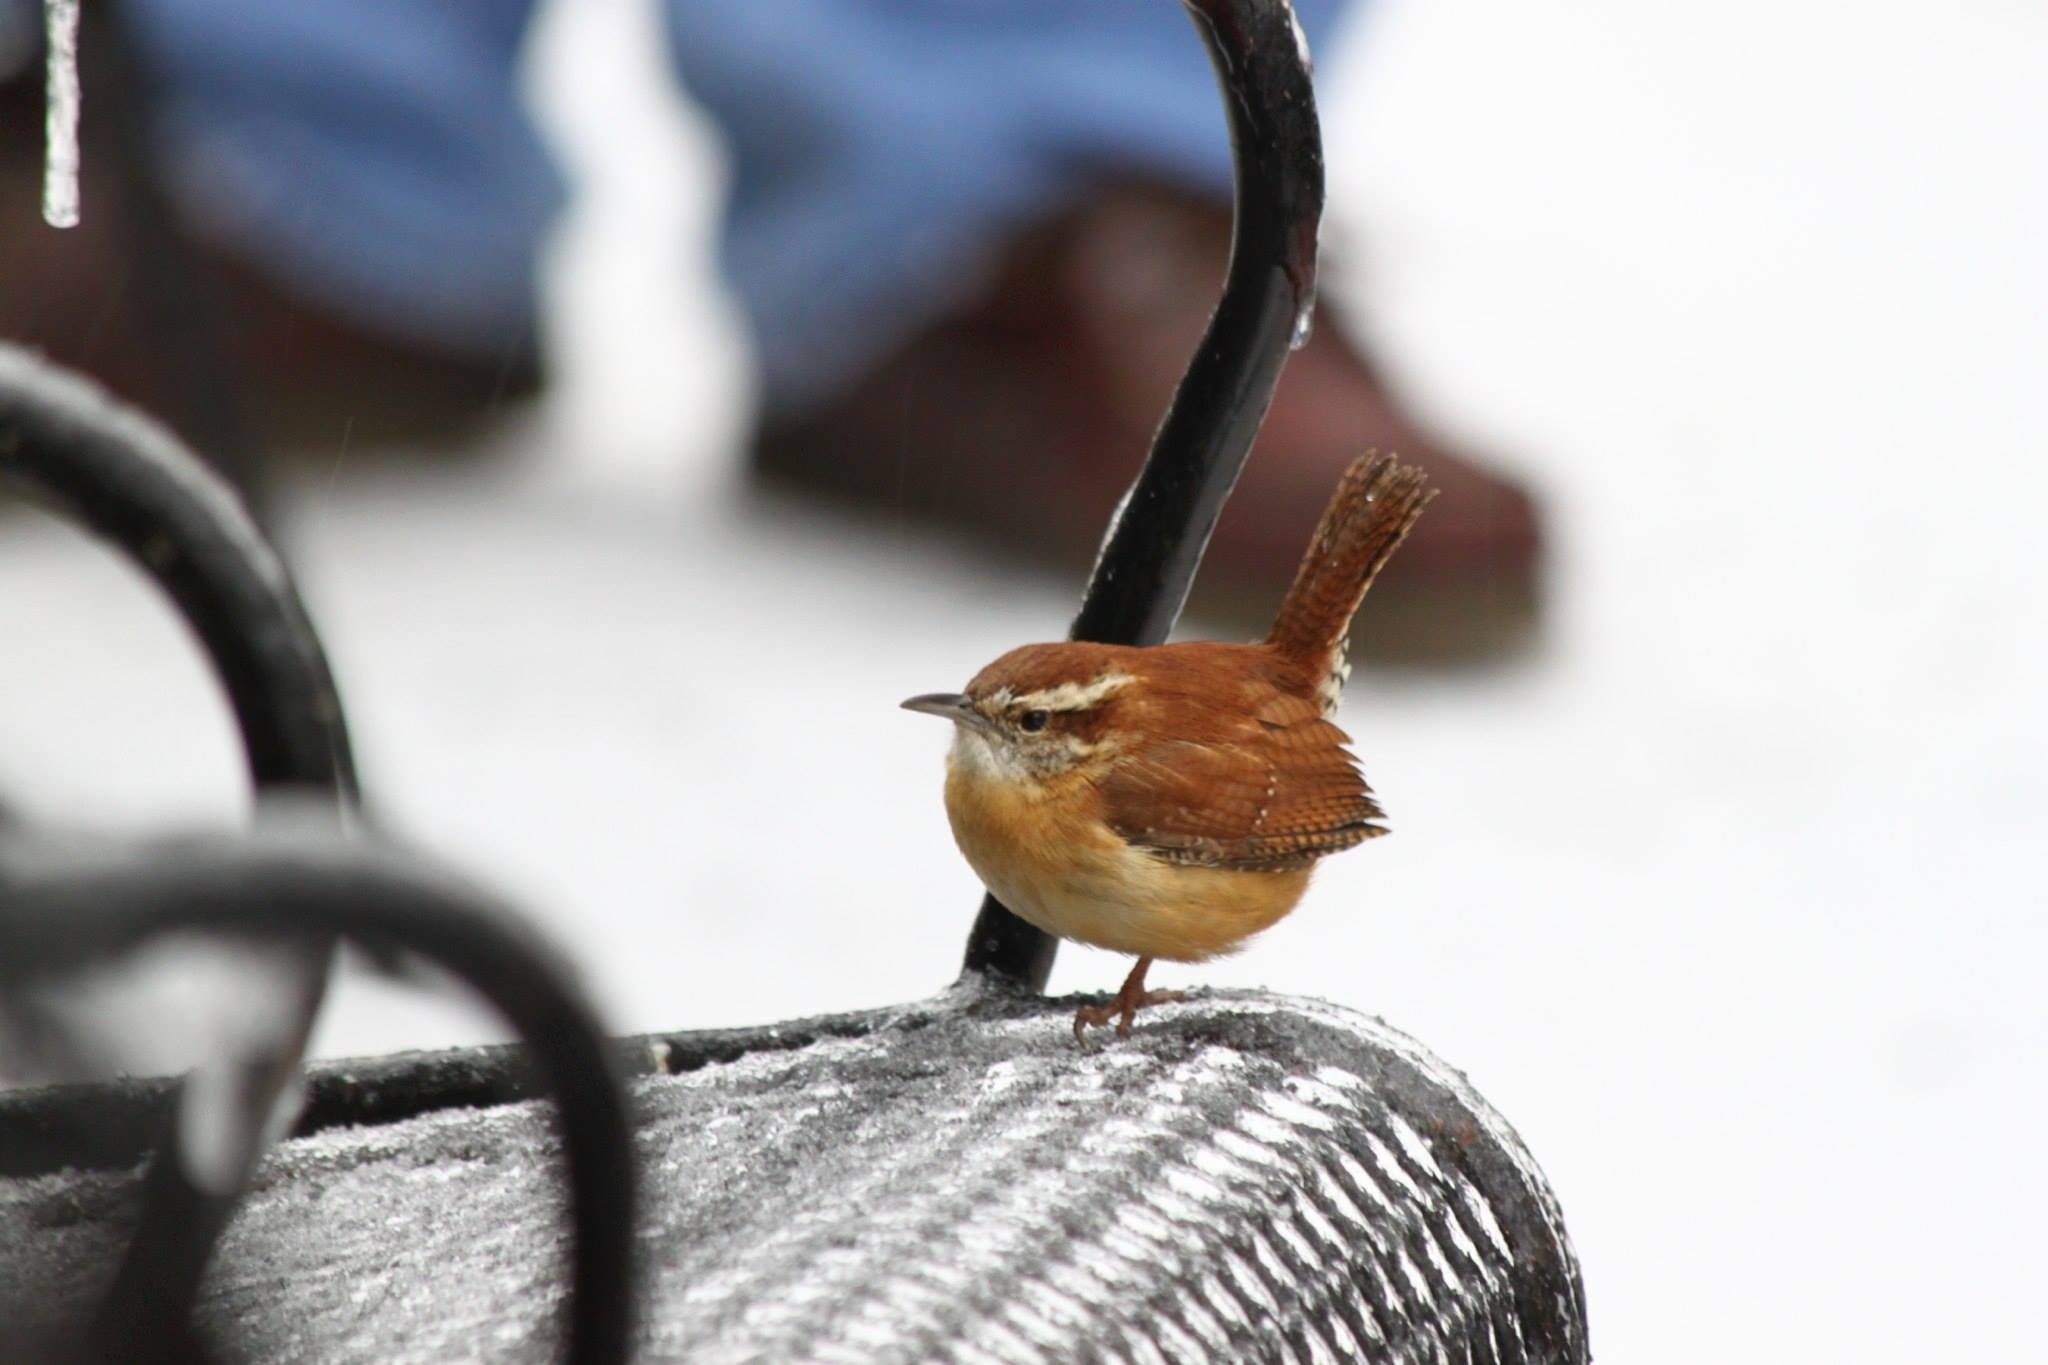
[(1123, 1007)]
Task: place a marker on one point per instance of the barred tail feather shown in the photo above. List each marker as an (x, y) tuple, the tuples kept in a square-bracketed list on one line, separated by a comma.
[(1376, 504)]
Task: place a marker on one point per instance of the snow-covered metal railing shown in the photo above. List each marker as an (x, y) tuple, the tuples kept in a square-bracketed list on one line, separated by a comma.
[(1248, 1178)]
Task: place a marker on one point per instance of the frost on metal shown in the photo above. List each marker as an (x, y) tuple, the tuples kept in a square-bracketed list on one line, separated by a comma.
[(1246, 1179), (60, 117)]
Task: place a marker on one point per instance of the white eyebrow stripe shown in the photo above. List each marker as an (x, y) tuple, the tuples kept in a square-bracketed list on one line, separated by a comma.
[(1069, 696)]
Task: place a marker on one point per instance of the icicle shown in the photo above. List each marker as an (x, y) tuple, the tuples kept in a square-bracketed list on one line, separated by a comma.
[(1304, 326), (60, 127)]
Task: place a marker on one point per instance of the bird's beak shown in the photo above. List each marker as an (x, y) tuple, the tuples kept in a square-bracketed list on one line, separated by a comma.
[(954, 706)]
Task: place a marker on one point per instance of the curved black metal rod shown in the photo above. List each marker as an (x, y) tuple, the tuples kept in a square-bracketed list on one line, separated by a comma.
[(1155, 543), (62, 907), (127, 479)]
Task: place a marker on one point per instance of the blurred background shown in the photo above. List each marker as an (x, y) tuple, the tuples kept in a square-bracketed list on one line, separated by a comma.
[(1717, 859)]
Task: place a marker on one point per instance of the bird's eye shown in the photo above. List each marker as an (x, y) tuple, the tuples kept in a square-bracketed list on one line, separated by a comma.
[(1034, 720)]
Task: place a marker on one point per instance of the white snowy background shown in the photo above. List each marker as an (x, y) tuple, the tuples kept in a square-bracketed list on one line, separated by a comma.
[(1732, 898)]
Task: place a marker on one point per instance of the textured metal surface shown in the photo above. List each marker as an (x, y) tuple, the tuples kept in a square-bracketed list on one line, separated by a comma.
[(1246, 1179), (1157, 535), (90, 901)]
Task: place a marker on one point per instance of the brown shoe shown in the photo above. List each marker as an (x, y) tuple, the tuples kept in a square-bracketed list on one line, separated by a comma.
[(162, 318), (1025, 414)]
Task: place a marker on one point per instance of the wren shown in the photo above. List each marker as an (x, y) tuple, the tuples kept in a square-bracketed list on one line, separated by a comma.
[(1170, 801)]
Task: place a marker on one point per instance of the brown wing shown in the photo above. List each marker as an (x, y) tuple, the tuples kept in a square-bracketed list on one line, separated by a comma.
[(1269, 789)]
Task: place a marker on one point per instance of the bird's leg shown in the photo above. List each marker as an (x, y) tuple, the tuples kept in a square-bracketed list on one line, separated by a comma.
[(1134, 997), (1124, 1006)]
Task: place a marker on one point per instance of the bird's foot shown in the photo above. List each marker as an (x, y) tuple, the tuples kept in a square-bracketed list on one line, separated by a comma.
[(1123, 1007)]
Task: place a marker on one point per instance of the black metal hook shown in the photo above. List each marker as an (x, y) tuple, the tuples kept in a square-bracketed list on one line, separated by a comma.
[(1155, 542), (127, 479), (61, 907)]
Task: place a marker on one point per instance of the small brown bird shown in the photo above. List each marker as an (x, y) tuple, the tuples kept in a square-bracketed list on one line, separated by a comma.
[(1171, 800)]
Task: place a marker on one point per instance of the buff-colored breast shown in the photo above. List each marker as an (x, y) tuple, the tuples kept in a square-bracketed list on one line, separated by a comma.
[(1045, 851)]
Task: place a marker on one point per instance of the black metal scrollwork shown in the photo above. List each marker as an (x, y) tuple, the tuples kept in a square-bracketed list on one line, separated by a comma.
[(66, 905), (125, 478)]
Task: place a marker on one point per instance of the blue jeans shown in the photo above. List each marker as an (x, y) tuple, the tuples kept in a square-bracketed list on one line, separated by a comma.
[(373, 154)]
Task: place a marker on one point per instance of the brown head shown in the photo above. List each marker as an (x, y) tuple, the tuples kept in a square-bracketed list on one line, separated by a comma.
[(1039, 710)]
